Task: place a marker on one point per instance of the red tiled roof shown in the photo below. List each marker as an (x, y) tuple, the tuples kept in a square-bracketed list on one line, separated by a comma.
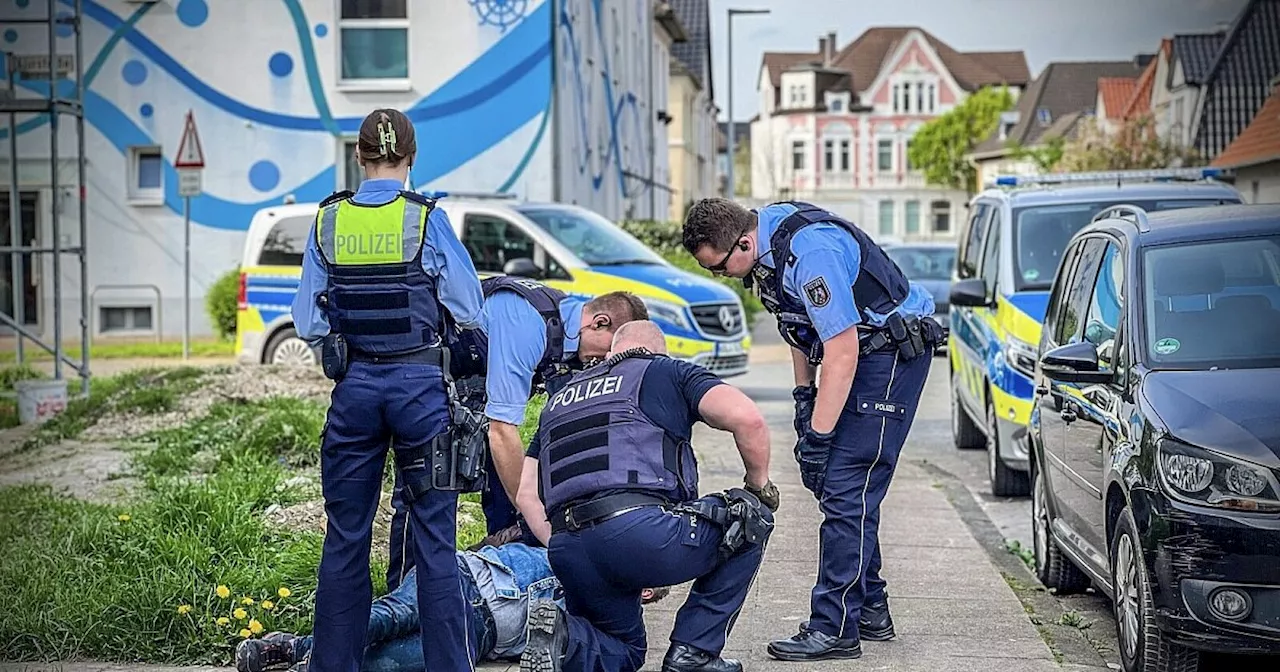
[(1260, 140), (778, 61), (1140, 102), (1116, 93)]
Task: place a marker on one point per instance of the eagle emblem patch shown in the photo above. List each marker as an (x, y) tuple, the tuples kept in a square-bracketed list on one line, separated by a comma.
[(817, 292)]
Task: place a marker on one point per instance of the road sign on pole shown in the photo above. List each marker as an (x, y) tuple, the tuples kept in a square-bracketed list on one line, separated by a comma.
[(190, 164)]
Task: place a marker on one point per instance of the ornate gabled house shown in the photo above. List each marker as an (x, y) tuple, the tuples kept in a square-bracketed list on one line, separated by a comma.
[(834, 125)]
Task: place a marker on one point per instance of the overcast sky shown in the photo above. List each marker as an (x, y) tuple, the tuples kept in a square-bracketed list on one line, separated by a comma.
[(1046, 30)]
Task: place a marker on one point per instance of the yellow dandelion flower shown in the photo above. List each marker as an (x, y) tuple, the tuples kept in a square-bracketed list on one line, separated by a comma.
[(254, 626), (184, 608), (268, 605), (223, 620), (247, 601), (244, 632), (240, 614), (284, 592), (124, 518), (223, 592)]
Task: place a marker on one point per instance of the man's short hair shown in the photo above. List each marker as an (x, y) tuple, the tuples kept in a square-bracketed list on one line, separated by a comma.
[(621, 307), (717, 222), (640, 334)]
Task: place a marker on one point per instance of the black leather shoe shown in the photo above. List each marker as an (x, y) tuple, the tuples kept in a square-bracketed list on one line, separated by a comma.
[(275, 650), (548, 635), (875, 624), (685, 658), (813, 645)]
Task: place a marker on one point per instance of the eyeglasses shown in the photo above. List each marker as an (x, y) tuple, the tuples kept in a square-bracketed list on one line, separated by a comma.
[(724, 263)]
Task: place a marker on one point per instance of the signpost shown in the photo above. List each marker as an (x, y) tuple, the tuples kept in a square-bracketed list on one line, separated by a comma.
[(190, 165)]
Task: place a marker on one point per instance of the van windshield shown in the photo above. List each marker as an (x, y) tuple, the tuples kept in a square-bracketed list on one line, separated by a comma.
[(594, 239), (1041, 233), (924, 263)]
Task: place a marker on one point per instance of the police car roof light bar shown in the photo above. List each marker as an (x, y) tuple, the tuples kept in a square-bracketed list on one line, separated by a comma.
[(473, 195), (1117, 176), (1125, 211)]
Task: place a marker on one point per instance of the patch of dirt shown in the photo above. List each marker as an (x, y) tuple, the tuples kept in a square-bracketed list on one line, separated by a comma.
[(239, 383), (91, 471)]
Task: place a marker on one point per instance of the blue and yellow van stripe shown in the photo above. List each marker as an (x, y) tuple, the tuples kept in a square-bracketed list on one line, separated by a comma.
[(1011, 391)]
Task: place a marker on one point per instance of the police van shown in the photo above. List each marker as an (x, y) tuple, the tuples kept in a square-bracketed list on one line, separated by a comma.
[(1007, 258), (567, 247)]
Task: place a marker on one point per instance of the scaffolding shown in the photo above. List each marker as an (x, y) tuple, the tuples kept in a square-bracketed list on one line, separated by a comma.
[(54, 105)]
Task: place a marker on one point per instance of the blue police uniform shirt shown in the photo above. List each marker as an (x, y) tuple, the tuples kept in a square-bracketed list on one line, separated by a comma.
[(443, 256), (826, 251), (669, 394), (517, 339)]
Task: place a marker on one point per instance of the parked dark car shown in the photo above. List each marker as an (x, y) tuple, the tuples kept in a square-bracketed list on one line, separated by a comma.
[(1155, 434), (929, 265)]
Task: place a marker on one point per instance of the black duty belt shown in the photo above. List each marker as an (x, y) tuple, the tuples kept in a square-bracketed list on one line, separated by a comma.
[(593, 512), (428, 356)]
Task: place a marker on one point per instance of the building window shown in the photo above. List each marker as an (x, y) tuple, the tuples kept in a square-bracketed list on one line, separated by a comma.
[(913, 216), (828, 155), (941, 217), (844, 156), (896, 106), (124, 319), (933, 98), (797, 155), (884, 155), (886, 218), (374, 39), (906, 98), (1044, 116), (352, 173), (906, 154), (837, 104), (146, 174)]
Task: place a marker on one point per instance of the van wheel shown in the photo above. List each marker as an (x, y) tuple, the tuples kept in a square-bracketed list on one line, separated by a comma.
[(1054, 569), (286, 348), (1143, 647), (966, 434), (1005, 482)]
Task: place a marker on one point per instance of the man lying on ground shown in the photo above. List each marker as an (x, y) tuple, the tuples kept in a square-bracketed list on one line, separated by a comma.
[(500, 577)]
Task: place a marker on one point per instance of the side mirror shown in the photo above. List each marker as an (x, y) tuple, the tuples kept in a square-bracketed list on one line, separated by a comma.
[(1074, 363), (971, 292), (524, 268)]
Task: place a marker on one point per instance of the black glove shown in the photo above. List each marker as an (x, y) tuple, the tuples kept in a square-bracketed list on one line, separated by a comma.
[(812, 451), (805, 397), (768, 495)]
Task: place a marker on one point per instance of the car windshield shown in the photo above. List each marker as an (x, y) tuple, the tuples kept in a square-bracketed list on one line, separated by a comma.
[(594, 239), (1213, 304), (924, 263), (1041, 233)]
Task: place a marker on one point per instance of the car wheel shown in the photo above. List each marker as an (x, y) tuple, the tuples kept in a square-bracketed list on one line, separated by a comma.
[(286, 348), (1005, 482), (966, 434), (1054, 569), (1143, 646)]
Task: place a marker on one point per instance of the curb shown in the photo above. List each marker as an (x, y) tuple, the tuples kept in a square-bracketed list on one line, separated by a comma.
[(1069, 644)]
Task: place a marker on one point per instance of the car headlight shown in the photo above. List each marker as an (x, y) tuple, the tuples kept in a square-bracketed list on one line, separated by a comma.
[(668, 312), (1212, 479), (1020, 355)]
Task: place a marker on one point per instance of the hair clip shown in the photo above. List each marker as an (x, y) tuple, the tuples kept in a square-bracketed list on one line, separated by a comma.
[(386, 134)]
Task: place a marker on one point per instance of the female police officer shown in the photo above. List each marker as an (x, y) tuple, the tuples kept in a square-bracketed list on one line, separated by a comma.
[(377, 268)]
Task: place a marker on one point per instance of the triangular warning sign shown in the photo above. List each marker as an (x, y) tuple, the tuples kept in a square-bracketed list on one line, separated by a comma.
[(190, 154)]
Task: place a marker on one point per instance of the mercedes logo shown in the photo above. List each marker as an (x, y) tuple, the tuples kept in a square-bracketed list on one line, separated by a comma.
[(729, 319)]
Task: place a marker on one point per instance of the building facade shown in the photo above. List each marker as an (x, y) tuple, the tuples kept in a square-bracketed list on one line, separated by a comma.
[(505, 97), (835, 126), (692, 128)]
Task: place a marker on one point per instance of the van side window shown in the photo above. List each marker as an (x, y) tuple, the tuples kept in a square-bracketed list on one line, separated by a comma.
[(1080, 290), (990, 268), (1102, 322), (967, 267), (286, 242), (1050, 338)]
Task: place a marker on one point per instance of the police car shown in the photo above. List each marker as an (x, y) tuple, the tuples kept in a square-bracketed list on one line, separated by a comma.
[(565, 246), (1007, 259)]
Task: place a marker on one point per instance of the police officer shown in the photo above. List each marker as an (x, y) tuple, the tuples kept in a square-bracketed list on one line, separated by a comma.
[(839, 300), (612, 470), (379, 268), (534, 337)]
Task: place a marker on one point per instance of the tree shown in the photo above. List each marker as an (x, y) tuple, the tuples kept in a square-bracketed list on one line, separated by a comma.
[(1135, 145), (940, 147), (1046, 155), (741, 170)]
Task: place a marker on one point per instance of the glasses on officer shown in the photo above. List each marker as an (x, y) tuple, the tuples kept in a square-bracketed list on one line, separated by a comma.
[(723, 266)]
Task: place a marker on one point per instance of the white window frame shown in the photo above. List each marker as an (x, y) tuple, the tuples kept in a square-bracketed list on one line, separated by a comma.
[(893, 160), (390, 84), (137, 195), (129, 331), (803, 147), (344, 155), (893, 217), (845, 154)]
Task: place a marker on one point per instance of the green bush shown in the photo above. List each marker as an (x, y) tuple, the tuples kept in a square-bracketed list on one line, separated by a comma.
[(665, 239), (222, 303)]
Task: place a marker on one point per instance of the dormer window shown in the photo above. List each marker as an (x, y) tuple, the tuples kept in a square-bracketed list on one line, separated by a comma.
[(1044, 116), (837, 103)]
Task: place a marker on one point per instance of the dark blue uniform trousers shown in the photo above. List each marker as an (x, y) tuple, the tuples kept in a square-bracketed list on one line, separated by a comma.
[(372, 404), (869, 437), (604, 568)]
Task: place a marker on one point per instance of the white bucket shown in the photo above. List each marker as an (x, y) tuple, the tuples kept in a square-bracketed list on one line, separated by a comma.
[(39, 400)]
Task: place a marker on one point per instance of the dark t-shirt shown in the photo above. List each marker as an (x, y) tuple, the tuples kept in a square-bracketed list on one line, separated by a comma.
[(669, 395)]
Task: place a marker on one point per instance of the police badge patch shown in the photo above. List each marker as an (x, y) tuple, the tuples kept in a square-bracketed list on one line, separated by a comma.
[(817, 292)]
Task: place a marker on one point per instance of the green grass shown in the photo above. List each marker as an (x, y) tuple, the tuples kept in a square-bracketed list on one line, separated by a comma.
[(139, 581), (164, 350)]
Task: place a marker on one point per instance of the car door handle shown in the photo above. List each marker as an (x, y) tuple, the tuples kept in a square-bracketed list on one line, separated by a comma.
[(1069, 414)]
